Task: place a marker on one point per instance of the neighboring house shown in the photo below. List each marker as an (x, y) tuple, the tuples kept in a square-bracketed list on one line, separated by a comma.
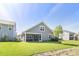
[(40, 32), (8, 29), (68, 35), (77, 35)]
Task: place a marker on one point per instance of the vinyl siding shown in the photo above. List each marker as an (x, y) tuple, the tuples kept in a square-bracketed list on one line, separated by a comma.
[(5, 31)]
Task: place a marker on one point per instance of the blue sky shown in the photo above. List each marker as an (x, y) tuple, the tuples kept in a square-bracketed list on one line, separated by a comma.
[(27, 15)]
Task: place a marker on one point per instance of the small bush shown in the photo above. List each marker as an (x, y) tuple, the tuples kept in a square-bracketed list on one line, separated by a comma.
[(54, 39), (7, 39), (4, 39), (60, 41), (17, 40)]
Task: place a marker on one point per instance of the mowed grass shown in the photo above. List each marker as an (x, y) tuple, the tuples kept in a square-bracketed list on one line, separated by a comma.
[(31, 48)]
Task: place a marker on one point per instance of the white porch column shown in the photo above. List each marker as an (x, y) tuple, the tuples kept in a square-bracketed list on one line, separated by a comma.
[(74, 37)]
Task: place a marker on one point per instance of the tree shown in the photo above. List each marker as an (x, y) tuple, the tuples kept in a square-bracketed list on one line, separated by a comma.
[(58, 32)]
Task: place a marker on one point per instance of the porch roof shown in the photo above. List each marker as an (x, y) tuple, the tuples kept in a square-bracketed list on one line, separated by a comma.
[(32, 33)]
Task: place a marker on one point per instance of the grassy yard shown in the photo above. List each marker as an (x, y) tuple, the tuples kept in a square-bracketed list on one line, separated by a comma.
[(30, 48)]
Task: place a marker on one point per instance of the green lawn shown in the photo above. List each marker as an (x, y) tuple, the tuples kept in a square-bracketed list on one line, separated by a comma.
[(25, 48)]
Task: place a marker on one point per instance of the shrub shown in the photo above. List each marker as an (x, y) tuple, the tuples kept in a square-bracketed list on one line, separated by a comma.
[(60, 41), (7, 39), (55, 39), (4, 39), (17, 40)]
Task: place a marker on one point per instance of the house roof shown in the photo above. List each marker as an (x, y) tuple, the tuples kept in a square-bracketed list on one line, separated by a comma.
[(69, 31), (37, 25), (47, 26), (7, 22)]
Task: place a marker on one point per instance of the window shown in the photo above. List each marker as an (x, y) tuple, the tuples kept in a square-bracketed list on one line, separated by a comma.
[(10, 28), (29, 37), (42, 28), (50, 36)]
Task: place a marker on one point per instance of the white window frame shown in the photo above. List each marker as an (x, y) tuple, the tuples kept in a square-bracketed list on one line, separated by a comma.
[(42, 27)]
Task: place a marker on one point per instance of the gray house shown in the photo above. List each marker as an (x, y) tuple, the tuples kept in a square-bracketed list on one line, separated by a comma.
[(8, 29), (40, 32)]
